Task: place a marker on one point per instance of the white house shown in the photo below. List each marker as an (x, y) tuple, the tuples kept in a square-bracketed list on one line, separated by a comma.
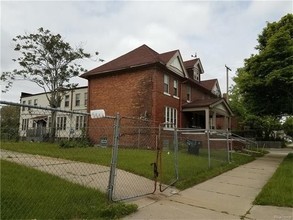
[(35, 123)]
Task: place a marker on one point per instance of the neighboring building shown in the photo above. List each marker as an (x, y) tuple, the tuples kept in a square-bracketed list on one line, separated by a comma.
[(160, 87), (35, 123)]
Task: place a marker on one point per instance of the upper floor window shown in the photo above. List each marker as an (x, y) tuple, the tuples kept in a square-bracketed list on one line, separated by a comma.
[(35, 102), (66, 103), (188, 93), (77, 99), (175, 88), (170, 117), (29, 103), (23, 108), (166, 84), (85, 99)]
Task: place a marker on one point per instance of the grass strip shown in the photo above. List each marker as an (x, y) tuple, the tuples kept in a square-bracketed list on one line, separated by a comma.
[(279, 189), (192, 169), (27, 193)]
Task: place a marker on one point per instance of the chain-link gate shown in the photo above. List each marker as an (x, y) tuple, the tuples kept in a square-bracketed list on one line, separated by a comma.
[(153, 153)]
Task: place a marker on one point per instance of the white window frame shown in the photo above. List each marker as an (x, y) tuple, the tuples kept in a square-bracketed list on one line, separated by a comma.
[(61, 123), (25, 123), (67, 101), (80, 122), (85, 99), (77, 99), (29, 103), (196, 73), (170, 117), (175, 86), (166, 84), (23, 107)]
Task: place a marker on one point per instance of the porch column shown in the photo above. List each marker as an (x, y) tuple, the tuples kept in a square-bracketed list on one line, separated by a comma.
[(214, 124), (207, 116)]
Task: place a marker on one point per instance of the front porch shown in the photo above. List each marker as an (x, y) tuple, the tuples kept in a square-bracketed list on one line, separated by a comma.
[(207, 114)]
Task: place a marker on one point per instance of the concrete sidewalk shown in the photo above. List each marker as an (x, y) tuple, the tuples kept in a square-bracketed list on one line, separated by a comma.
[(227, 196)]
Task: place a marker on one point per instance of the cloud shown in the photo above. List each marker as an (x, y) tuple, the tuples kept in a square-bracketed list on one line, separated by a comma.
[(220, 32)]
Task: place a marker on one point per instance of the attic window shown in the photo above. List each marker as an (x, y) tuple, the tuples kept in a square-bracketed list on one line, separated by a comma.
[(196, 73)]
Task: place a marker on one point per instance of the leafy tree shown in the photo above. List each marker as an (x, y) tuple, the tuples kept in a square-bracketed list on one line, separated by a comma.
[(266, 80), (288, 126), (48, 61), (236, 102), (264, 126), (9, 122)]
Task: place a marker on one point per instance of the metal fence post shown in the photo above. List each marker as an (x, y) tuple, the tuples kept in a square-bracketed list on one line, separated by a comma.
[(209, 148), (114, 157), (228, 147), (176, 152)]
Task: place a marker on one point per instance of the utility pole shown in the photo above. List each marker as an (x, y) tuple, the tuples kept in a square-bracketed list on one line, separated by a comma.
[(227, 80)]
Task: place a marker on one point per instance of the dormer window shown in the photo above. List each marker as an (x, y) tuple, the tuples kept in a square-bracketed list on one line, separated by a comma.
[(196, 73)]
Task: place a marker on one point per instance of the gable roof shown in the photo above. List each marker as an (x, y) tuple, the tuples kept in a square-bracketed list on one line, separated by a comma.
[(212, 85), (140, 56), (209, 84), (201, 103), (208, 103), (165, 57), (189, 64)]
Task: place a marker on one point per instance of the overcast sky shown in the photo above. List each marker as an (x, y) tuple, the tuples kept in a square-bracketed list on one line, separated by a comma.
[(219, 32)]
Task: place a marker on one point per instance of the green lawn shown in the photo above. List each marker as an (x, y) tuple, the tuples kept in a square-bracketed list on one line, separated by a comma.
[(30, 194), (192, 169), (279, 189)]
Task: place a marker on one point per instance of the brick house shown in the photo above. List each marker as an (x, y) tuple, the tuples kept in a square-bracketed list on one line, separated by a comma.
[(160, 87)]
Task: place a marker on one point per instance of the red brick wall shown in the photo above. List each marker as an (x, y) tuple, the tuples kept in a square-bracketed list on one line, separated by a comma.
[(136, 93), (128, 93), (162, 100)]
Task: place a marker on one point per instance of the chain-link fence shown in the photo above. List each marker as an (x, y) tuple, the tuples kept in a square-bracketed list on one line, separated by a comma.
[(214, 145), (71, 146), (49, 158), (121, 157)]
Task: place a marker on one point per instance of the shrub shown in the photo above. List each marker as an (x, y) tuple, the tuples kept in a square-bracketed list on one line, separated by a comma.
[(71, 143)]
